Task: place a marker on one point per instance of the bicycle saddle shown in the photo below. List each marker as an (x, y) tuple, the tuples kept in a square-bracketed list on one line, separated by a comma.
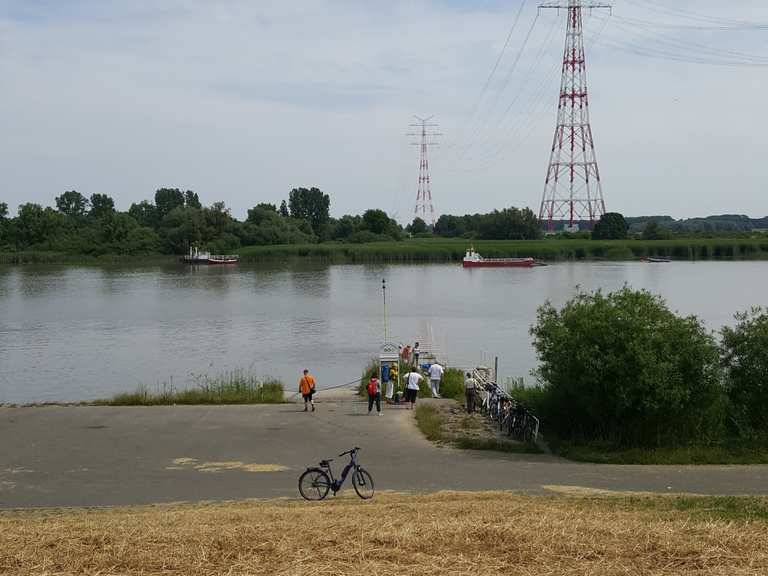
[(326, 462)]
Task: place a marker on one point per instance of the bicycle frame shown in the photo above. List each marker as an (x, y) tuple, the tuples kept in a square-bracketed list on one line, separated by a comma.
[(337, 484)]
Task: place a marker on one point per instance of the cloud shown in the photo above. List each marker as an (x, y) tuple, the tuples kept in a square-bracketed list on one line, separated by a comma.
[(242, 101)]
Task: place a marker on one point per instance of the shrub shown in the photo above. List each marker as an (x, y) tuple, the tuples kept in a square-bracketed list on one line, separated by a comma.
[(623, 368), (745, 358)]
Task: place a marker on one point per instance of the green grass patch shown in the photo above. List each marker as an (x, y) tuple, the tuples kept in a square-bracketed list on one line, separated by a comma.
[(234, 387), (731, 453), (495, 445), (549, 249), (430, 422), (733, 508)]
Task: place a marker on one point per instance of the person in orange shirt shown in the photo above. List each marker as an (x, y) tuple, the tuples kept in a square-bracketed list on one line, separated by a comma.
[(307, 388)]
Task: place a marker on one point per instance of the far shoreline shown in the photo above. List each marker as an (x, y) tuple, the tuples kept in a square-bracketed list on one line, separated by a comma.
[(441, 250)]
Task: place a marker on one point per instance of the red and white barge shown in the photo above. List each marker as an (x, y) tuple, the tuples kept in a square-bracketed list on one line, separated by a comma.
[(473, 260)]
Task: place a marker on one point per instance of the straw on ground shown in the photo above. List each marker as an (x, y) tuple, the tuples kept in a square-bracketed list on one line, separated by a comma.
[(445, 534)]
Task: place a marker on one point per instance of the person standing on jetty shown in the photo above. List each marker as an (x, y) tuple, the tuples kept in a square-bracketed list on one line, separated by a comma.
[(435, 376), (415, 354), (374, 394), (412, 387), (307, 389), (470, 384)]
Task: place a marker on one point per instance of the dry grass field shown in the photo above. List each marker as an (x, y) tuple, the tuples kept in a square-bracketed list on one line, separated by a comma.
[(571, 532)]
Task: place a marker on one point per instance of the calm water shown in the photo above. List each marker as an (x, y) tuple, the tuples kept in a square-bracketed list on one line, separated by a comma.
[(74, 333)]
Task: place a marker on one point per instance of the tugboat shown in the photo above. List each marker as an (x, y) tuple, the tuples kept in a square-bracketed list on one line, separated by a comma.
[(195, 256), (473, 260)]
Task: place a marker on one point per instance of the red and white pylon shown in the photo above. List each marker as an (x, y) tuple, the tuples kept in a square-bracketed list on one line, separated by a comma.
[(425, 209), (573, 192)]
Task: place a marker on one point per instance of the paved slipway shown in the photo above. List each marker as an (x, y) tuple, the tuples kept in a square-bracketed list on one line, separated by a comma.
[(101, 456)]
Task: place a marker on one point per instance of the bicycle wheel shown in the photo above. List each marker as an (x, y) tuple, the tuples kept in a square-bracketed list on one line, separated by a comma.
[(363, 483), (314, 484)]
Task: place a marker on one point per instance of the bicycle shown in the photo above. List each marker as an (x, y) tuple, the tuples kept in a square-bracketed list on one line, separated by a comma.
[(316, 482)]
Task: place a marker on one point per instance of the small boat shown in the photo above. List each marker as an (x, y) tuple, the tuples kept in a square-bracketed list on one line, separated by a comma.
[(196, 256), (473, 260), (654, 260)]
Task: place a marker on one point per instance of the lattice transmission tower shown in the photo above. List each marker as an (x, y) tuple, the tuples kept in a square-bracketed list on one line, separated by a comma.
[(573, 192), (424, 207)]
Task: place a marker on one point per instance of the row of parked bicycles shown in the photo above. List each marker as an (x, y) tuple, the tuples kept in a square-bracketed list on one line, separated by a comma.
[(513, 418)]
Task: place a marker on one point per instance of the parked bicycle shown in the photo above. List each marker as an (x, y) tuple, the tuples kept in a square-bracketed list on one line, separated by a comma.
[(317, 481), (512, 417)]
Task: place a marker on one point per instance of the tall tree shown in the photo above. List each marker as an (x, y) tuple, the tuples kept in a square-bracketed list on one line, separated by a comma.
[(191, 200), (284, 209), (101, 206), (418, 226), (145, 214), (166, 199), (611, 226), (3, 210), (310, 205), (72, 204), (38, 226), (376, 221)]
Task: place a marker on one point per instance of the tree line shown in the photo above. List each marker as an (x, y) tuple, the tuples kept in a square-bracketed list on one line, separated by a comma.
[(174, 220)]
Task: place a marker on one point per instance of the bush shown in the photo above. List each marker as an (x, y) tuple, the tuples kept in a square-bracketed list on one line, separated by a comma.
[(745, 359), (624, 369)]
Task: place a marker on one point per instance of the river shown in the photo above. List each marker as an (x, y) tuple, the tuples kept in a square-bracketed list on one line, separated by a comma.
[(70, 333)]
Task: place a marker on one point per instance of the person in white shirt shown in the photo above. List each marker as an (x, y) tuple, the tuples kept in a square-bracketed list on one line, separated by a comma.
[(435, 376), (470, 385), (412, 387)]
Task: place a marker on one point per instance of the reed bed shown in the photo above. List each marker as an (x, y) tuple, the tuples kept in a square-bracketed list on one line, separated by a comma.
[(235, 387), (550, 250), (441, 534)]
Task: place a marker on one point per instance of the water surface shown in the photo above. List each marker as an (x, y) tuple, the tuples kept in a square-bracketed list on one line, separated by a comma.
[(71, 333)]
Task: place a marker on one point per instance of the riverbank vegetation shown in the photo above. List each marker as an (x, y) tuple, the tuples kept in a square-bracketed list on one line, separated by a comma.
[(176, 220), (448, 423), (479, 533), (234, 387), (91, 228), (626, 380)]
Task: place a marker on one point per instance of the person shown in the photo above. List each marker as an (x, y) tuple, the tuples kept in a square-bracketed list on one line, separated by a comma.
[(470, 385), (392, 381), (405, 354), (415, 354), (374, 394), (307, 389), (435, 376), (412, 387)]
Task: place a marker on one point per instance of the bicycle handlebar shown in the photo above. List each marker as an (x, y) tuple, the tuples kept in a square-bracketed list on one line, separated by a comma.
[(355, 449)]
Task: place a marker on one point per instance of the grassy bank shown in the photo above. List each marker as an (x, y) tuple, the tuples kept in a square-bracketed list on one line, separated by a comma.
[(231, 388), (441, 534), (452, 250), (464, 433), (43, 257), (731, 453)]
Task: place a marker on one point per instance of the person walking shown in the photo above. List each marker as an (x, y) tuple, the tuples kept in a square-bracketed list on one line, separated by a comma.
[(374, 394), (470, 385), (435, 376), (307, 389), (412, 387)]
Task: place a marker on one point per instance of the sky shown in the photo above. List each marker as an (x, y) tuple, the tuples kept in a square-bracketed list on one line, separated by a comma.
[(244, 100)]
